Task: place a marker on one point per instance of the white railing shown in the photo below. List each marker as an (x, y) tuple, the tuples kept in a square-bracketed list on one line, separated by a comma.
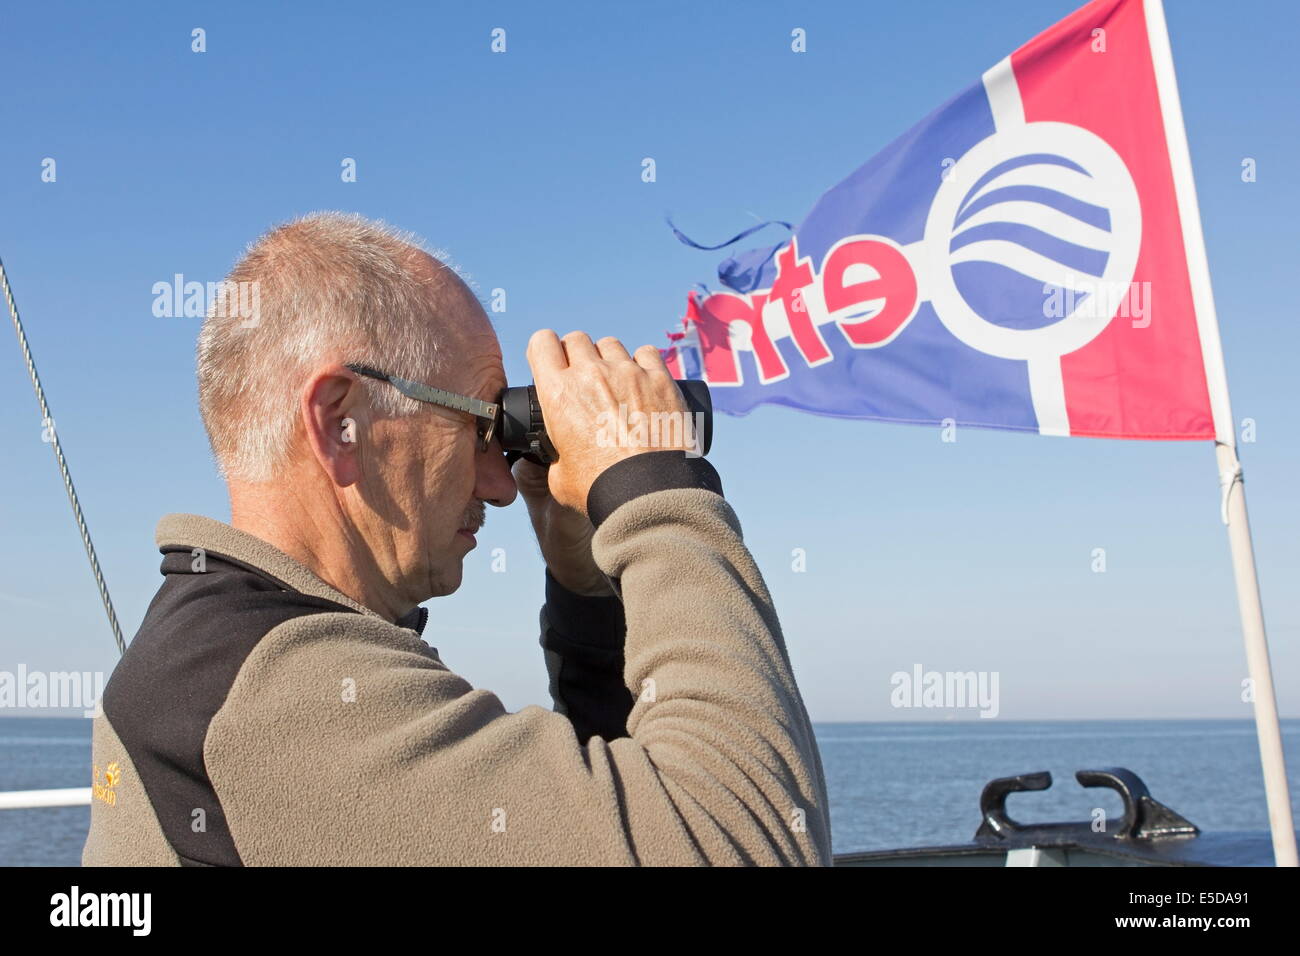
[(29, 799)]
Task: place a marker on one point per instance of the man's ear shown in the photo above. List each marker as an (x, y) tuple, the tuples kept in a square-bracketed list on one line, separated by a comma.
[(332, 404)]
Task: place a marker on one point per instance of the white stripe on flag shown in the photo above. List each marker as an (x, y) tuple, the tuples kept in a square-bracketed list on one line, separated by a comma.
[(1004, 95), (1047, 391)]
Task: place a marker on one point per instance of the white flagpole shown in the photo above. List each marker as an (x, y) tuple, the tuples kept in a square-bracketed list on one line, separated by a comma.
[(1233, 510)]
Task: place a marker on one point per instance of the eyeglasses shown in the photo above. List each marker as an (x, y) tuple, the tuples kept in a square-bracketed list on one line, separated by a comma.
[(487, 413)]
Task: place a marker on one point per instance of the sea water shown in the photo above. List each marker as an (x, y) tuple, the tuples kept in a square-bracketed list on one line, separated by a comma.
[(890, 784)]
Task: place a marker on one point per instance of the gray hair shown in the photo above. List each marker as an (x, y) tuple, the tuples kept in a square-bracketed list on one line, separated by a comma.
[(326, 287)]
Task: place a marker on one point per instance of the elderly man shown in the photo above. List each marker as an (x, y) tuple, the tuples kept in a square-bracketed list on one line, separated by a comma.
[(278, 705)]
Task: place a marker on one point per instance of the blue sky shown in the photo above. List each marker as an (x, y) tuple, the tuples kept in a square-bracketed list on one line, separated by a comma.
[(525, 166)]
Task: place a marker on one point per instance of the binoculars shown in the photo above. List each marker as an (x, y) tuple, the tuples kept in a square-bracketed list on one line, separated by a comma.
[(522, 431)]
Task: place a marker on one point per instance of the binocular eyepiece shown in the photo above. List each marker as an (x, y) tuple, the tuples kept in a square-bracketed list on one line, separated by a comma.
[(522, 430)]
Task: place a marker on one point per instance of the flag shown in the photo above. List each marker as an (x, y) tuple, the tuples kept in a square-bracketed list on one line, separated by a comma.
[(1026, 257)]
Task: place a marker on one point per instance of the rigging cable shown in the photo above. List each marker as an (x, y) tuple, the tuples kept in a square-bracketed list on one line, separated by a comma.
[(47, 422)]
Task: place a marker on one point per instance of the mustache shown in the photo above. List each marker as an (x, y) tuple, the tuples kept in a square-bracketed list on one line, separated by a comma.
[(475, 517)]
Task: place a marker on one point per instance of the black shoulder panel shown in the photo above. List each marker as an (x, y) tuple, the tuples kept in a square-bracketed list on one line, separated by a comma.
[(175, 676)]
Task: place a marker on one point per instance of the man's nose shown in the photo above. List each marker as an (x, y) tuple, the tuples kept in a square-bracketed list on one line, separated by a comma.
[(495, 484)]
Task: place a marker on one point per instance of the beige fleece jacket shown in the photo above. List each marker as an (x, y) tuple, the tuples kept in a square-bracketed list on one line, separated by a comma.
[(416, 767)]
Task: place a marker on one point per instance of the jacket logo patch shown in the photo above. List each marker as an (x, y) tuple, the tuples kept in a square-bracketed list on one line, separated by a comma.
[(105, 790)]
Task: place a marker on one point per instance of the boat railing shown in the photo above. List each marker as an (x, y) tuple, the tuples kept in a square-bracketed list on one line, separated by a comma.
[(33, 799)]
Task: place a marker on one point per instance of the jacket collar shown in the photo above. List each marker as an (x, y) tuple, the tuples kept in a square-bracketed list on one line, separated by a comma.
[(219, 538), (415, 619)]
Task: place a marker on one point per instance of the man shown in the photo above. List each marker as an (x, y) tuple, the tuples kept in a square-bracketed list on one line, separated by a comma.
[(278, 705)]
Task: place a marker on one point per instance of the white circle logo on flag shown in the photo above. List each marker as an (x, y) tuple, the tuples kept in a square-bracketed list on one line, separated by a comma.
[(1032, 240)]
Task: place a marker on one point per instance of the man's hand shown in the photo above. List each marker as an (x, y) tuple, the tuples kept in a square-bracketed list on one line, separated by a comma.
[(581, 386), (563, 533)]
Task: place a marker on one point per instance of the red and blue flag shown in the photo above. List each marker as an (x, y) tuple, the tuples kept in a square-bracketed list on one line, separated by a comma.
[(1026, 257)]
